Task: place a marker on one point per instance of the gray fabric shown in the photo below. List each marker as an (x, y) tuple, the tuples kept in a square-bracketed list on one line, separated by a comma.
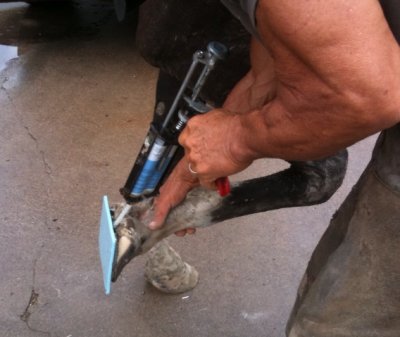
[(244, 10)]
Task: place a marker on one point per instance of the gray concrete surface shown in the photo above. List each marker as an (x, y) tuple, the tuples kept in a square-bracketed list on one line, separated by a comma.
[(74, 108)]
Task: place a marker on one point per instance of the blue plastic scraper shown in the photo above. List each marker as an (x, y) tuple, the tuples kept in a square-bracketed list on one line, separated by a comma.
[(107, 243)]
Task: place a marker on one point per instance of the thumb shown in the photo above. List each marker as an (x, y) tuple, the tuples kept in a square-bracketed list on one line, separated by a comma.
[(160, 214), (172, 193)]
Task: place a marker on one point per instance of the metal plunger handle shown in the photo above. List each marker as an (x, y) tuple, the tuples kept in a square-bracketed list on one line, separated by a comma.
[(215, 51)]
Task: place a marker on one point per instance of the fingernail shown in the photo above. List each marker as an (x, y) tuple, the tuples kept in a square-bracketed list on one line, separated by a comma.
[(152, 225)]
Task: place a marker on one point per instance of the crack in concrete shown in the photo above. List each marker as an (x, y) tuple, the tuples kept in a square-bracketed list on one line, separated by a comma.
[(47, 167), (34, 295), (33, 301)]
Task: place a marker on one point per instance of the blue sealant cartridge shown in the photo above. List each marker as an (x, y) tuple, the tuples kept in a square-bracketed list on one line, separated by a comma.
[(145, 181), (160, 169)]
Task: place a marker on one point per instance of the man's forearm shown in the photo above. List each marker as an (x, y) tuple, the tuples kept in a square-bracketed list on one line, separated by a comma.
[(275, 133), (302, 132), (337, 70)]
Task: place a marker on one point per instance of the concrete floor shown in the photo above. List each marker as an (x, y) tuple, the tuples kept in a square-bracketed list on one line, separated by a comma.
[(74, 108)]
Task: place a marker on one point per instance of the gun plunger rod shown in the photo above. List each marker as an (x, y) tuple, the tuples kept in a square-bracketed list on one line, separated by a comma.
[(208, 59), (202, 79), (181, 90)]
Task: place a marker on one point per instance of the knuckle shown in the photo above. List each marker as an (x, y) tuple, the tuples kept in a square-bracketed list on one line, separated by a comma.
[(192, 122), (193, 158), (182, 139)]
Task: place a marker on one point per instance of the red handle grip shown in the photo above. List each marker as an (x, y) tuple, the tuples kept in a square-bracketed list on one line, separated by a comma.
[(224, 186)]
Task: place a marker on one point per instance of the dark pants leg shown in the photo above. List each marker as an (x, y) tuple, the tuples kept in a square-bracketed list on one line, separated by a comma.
[(352, 284)]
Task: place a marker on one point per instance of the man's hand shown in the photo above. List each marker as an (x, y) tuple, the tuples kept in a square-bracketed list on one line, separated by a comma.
[(213, 147), (172, 193)]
